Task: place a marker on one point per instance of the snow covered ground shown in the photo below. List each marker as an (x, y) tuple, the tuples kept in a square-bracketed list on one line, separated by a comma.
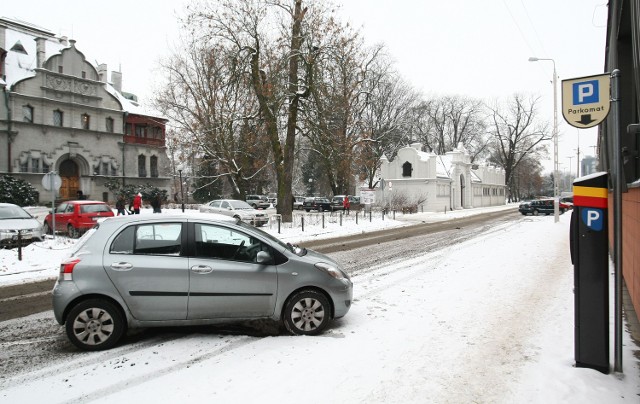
[(489, 320)]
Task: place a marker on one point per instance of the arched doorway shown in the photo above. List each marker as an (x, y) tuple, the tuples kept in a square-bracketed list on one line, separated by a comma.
[(70, 175)]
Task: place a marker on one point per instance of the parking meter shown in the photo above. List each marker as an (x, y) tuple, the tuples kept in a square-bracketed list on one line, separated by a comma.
[(589, 255)]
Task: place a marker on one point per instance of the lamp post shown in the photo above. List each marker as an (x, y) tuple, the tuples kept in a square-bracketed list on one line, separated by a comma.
[(181, 192), (556, 210)]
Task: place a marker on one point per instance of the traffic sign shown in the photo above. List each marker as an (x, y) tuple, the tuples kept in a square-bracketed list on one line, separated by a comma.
[(50, 179), (586, 100), (593, 218)]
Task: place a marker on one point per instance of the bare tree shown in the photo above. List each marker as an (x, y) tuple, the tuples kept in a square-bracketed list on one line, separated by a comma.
[(442, 123), (515, 135)]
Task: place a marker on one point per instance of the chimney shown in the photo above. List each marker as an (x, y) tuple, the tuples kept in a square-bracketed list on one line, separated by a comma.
[(102, 72), (116, 81), (64, 40), (41, 53)]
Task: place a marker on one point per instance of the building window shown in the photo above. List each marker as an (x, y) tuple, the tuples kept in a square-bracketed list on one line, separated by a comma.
[(128, 129), (153, 161), (27, 113), (24, 167), (141, 131), (60, 69), (35, 165), (86, 119), (58, 118), (406, 169), (45, 167), (84, 75), (109, 125), (105, 169), (142, 162)]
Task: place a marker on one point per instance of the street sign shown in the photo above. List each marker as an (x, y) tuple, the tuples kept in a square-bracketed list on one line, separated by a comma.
[(593, 218), (586, 100), (50, 179)]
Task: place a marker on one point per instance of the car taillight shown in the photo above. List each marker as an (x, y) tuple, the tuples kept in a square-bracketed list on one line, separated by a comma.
[(66, 269)]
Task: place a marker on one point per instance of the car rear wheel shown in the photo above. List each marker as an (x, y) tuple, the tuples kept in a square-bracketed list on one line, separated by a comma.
[(95, 325), (307, 313), (72, 232)]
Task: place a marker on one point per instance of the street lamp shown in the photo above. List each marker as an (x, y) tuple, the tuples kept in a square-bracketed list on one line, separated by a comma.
[(181, 192), (556, 210)]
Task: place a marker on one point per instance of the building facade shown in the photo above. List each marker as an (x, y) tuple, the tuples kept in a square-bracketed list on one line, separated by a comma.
[(623, 53), (60, 113), (441, 182)]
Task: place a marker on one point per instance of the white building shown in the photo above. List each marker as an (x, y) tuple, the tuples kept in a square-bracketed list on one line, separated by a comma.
[(441, 182), (60, 113)]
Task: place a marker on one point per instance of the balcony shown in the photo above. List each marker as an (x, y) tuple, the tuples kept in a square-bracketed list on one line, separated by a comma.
[(143, 140)]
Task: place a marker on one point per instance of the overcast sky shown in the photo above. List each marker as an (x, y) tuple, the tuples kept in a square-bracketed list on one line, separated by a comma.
[(476, 48)]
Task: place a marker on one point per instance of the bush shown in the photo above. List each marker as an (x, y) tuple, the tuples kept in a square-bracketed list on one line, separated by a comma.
[(17, 191)]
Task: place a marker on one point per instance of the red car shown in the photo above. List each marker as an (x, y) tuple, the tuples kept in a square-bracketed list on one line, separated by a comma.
[(76, 217)]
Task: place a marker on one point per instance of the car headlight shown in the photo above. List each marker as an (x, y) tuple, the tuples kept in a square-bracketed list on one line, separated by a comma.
[(331, 270)]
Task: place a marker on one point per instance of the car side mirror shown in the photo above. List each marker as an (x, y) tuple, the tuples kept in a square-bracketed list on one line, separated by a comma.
[(263, 257)]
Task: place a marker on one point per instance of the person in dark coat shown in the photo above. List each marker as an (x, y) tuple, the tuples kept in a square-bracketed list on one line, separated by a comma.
[(120, 205), (156, 204)]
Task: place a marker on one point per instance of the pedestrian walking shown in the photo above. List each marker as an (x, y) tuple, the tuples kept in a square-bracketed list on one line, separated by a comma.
[(156, 204), (346, 204), (137, 203), (120, 205)]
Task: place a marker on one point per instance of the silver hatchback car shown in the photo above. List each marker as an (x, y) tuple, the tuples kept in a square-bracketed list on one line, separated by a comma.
[(171, 270)]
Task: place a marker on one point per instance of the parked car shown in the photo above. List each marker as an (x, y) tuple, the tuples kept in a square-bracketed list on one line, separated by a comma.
[(297, 202), (541, 206), (187, 269), (316, 203), (236, 209), (258, 201), (337, 202), (76, 217), (14, 220)]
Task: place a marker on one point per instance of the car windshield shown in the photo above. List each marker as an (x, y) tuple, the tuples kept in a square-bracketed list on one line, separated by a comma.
[(96, 208), (13, 212), (300, 251), (239, 204)]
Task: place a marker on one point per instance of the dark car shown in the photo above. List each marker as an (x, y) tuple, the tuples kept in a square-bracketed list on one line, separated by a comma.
[(192, 269), (337, 202), (76, 217), (541, 206), (317, 203)]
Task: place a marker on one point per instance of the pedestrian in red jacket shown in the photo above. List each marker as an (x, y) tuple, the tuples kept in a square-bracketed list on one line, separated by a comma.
[(137, 203)]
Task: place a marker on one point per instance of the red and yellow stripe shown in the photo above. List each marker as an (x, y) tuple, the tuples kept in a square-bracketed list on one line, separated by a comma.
[(590, 197)]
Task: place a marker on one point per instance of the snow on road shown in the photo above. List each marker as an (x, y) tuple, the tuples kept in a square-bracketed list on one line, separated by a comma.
[(487, 320)]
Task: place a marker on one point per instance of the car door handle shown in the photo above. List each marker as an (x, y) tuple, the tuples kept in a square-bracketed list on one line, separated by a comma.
[(201, 269), (121, 266)]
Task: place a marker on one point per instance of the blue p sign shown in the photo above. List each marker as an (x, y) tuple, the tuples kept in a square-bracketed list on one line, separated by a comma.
[(586, 92), (593, 218)]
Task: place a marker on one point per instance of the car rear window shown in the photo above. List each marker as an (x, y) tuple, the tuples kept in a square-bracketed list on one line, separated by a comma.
[(96, 208)]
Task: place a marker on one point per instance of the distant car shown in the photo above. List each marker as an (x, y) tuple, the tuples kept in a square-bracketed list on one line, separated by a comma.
[(316, 203), (297, 202), (14, 220), (236, 209), (258, 201), (192, 269), (337, 202), (541, 206), (76, 217)]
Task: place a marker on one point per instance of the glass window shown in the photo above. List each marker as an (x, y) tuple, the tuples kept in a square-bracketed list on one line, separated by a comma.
[(128, 129), (35, 165), (153, 162), (159, 239), (105, 169), (142, 162), (406, 169), (227, 244), (58, 118), (27, 113), (109, 125), (86, 119)]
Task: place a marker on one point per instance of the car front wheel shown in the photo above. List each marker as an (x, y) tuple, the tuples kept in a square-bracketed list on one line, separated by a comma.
[(534, 212), (307, 313), (46, 229), (95, 325)]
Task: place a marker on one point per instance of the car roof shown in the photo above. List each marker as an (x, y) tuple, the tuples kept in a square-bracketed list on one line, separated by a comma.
[(172, 216), (85, 202)]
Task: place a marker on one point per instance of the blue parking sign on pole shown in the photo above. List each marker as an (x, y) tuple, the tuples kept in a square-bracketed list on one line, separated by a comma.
[(593, 218)]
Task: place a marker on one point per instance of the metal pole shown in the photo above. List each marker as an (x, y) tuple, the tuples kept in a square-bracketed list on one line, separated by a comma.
[(181, 191), (53, 205), (617, 219), (556, 201)]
